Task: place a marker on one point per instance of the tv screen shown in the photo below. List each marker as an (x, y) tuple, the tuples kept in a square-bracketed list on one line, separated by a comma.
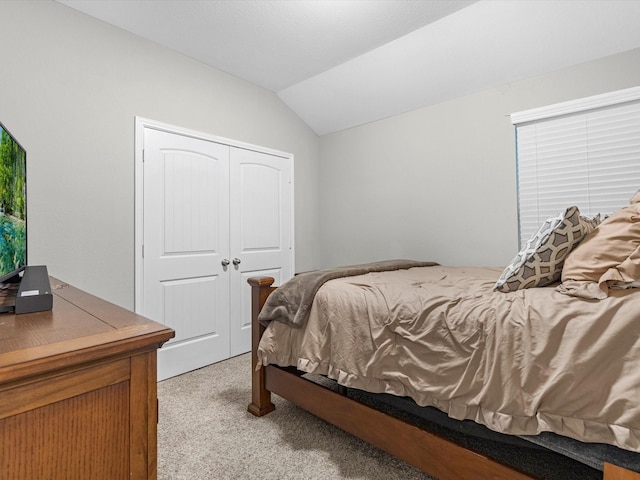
[(13, 206)]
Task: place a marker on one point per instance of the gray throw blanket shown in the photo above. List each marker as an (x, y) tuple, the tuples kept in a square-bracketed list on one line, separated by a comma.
[(291, 302)]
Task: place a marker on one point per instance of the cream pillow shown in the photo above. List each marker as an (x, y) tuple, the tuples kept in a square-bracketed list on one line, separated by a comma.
[(539, 262), (608, 257)]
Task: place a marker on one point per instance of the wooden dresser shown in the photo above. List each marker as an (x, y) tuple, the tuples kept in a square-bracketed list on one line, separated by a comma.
[(78, 396)]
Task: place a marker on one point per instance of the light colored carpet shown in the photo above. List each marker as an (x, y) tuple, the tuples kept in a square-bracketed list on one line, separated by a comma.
[(206, 433)]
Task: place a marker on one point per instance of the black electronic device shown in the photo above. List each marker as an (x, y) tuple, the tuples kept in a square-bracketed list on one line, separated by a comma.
[(23, 288), (13, 207), (34, 293)]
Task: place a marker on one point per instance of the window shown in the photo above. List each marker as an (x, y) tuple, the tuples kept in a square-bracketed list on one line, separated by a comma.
[(584, 152)]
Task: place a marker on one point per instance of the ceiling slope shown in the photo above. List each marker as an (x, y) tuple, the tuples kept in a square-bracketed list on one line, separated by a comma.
[(343, 63)]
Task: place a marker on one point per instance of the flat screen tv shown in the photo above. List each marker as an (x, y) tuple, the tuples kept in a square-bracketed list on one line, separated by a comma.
[(13, 207)]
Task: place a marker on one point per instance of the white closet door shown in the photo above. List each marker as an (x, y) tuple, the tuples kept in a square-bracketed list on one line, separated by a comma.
[(185, 243), (261, 231)]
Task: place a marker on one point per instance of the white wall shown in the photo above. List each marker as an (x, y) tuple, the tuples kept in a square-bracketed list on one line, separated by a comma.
[(70, 88), (439, 183)]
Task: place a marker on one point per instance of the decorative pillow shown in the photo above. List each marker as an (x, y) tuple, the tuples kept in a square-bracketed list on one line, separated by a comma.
[(607, 257), (539, 262)]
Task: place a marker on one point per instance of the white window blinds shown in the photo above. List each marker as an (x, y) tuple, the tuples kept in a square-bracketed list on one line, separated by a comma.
[(584, 153)]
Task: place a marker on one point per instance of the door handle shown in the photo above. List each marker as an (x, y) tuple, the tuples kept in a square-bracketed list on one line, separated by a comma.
[(225, 262), (236, 261)]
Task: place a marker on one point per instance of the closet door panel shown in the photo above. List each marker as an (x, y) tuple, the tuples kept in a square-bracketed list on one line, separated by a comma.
[(186, 240), (261, 230)]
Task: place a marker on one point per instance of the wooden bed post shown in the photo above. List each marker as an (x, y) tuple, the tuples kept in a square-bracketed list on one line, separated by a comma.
[(260, 404)]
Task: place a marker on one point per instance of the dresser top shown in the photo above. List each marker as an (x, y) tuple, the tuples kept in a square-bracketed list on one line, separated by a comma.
[(80, 328)]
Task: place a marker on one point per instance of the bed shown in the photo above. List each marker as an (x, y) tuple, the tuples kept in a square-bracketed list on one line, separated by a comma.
[(526, 363)]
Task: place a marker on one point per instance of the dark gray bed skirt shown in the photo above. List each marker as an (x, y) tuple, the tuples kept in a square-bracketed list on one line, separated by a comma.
[(547, 455)]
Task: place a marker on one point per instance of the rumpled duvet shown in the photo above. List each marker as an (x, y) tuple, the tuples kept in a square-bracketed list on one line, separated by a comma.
[(520, 363), (291, 303)]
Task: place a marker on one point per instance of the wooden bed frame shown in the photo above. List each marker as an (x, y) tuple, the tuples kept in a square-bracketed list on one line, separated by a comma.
[(434, 455)]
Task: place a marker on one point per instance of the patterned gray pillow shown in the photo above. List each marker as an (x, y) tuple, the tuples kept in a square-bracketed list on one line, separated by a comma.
[(539, 262)]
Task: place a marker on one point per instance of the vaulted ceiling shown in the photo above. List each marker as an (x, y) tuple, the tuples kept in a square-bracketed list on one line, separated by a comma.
[(343, 63)]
